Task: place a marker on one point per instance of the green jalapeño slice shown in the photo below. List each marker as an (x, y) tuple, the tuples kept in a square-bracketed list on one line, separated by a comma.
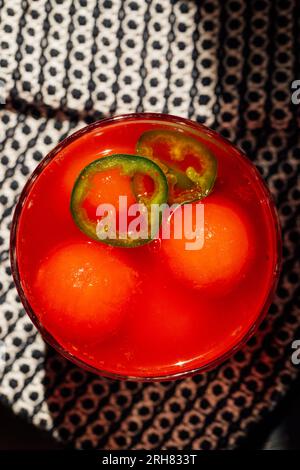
[(190, 167), (100, 212)]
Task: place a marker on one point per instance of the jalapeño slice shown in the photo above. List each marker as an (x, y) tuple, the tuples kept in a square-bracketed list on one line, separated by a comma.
[(85, 195), (190, 167)]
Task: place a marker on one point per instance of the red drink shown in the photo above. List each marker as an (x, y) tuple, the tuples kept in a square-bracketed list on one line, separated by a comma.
[(156, 310)]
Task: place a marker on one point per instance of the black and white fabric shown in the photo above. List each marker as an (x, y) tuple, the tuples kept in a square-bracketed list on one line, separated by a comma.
[(229, 65)]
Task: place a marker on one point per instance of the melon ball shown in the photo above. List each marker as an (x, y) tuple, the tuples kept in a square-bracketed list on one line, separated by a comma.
[(221, 259), (107, 186), (80, 292)]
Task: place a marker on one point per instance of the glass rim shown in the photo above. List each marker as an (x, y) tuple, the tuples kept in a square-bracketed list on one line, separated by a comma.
[(49, 338)]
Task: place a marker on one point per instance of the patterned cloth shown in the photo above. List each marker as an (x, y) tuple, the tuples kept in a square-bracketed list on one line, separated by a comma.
[(227, 64)]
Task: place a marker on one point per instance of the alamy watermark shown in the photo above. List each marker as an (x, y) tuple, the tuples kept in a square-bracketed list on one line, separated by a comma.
[(2, 358), (141, 222), (295, 86), (295, 357), (2, 96)]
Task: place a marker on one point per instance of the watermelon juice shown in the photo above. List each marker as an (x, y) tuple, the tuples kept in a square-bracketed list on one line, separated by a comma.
[(152, 309)]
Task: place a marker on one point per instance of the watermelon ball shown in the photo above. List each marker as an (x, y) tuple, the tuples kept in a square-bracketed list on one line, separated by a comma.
[(105, 188), (81, 292), (222, 258)]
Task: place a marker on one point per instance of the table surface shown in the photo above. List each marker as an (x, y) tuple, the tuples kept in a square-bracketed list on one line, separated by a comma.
[(279, 431)]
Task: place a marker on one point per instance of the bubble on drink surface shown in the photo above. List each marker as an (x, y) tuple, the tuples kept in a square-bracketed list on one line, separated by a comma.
[(154, 246)]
